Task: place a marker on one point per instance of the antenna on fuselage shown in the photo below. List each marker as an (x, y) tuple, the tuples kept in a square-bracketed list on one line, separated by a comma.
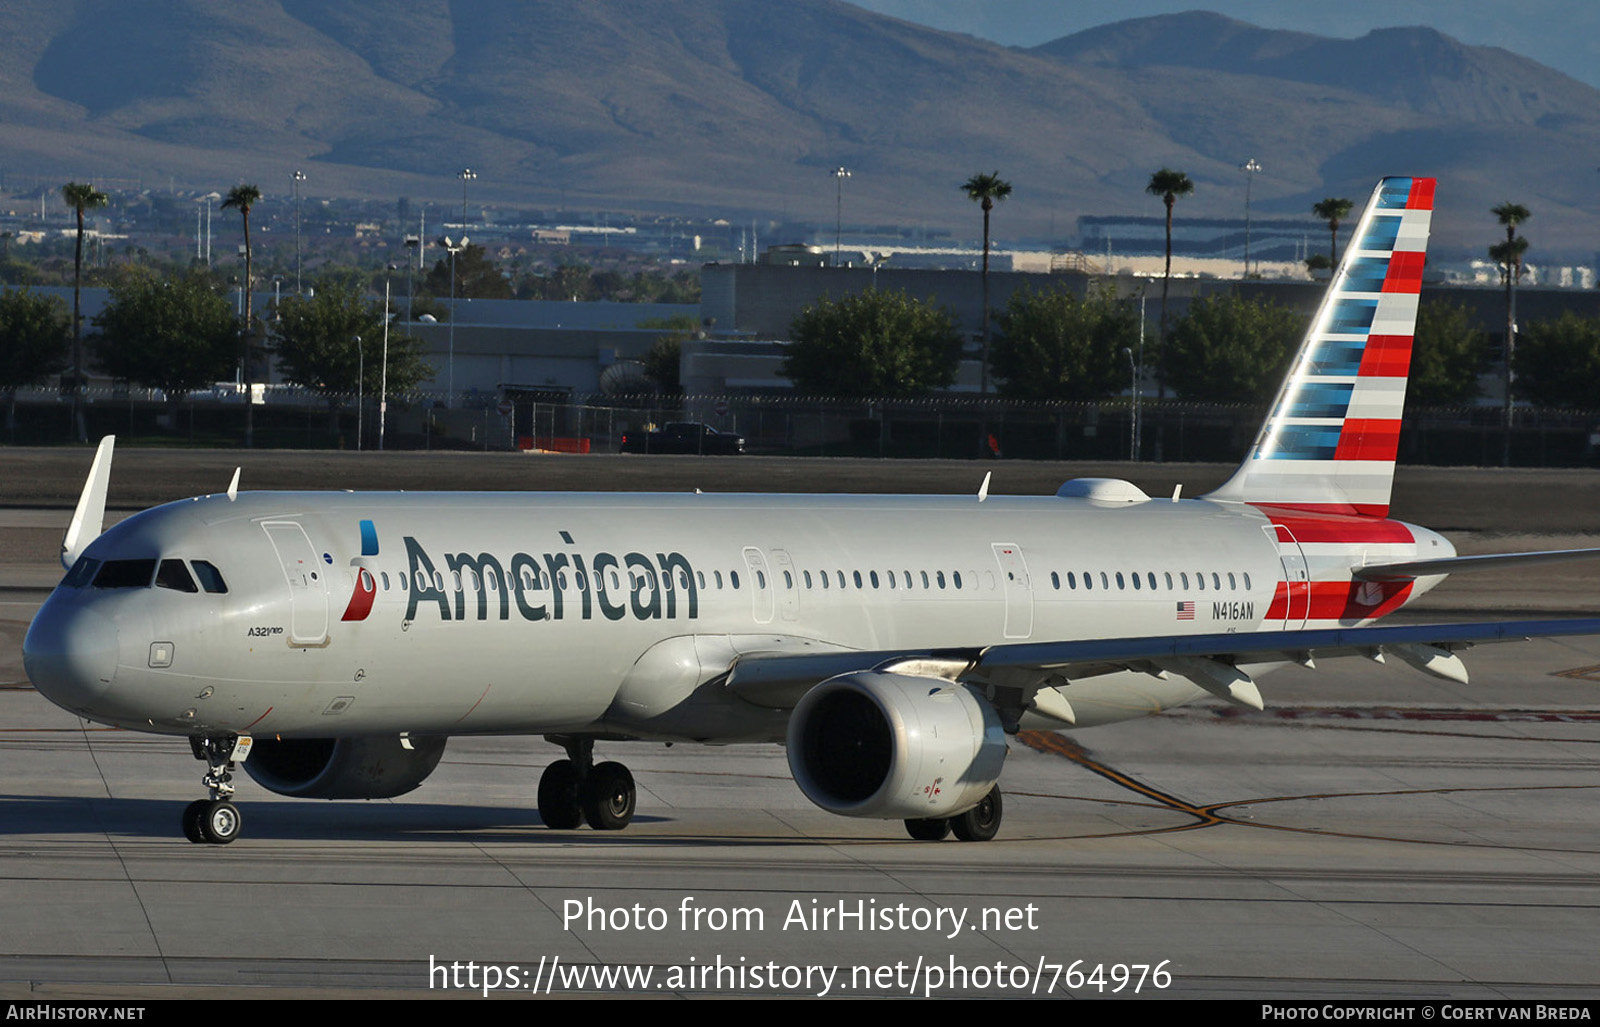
[(983, 490), (233, 486)]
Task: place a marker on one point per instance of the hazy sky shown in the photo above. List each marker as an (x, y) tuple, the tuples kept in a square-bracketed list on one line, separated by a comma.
[(1564, 34)]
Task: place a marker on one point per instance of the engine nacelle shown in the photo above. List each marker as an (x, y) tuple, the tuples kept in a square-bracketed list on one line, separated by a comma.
[(343, 768), (893, 746)]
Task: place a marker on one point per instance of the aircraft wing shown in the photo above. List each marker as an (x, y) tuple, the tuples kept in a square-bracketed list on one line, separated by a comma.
[(1212, 662)]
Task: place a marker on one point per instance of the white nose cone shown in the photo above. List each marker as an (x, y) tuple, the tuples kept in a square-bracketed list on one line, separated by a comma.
[(71, 656)]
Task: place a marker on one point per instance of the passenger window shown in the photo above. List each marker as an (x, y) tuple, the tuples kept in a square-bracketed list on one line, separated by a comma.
[(1216, 581), (1136, 579), (761, 579), (210, 577), (1246, 580), (874, 576), (1119, 581), (1055, 581), (955, 579), (938, 576), (1072, 581), (1151, 577), (808, 580), (1185, 576), (384, 576), (1168, 576), (174, 575), (857, 576), (788, 580), (924, 580), (733, 576), (1232, 585), (1105, 582)]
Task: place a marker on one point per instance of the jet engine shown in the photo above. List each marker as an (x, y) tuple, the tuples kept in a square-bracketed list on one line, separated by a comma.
[(894, 746), (343, 768)]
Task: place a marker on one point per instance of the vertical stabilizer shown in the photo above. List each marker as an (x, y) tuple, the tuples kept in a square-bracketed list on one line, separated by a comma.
[(1329, 444)]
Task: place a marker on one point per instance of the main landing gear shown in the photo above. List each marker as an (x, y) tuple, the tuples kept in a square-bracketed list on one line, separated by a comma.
[(978, 824), (216, 820), (575, 790)]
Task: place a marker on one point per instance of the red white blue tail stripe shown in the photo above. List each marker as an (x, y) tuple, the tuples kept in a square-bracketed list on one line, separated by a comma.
[(1329, 445)]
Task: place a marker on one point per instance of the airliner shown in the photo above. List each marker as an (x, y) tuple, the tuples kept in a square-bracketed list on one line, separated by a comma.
[(330, 643)]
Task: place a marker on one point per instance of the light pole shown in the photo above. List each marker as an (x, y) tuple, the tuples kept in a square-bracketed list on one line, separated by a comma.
[(383, 377), (466, 175), (1249, 167), (1133, 430), (450, 378), (361, 392), (840, 173), (299, 176)]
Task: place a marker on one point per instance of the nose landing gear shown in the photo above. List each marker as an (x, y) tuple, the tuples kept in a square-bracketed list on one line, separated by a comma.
[(216, 820)]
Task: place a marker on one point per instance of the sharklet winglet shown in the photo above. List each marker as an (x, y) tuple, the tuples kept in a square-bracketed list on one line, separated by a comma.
[(88, 519)]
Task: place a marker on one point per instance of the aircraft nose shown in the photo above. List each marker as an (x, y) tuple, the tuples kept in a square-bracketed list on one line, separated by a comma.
[(71, 656)]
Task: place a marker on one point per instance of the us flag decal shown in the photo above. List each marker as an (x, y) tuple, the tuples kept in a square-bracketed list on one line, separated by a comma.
[(1186, 610)]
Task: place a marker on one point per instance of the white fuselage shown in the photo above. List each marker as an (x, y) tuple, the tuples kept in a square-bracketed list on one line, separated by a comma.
[(550, 613)]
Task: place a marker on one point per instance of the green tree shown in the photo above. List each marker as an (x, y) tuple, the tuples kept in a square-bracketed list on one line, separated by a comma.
[(1558, 362), (242, 198), (1333, 210), (176, 335), (873, 343), (1447, 355), (477, 277), (984, 190), (1056, 346), (1226, 349), (33, 343), (663, 361), (1169, 185), (315, 339), (80, 196)]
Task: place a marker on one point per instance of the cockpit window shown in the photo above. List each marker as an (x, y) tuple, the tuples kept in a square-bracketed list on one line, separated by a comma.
[(125, 574), (174, 575), (210, 577), (82, 573)]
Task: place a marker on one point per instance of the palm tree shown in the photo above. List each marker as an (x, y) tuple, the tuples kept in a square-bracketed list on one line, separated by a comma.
[(1509, 256), (985, 190), (80, 196), (243, 197), (1169, 185), (1333, 210)]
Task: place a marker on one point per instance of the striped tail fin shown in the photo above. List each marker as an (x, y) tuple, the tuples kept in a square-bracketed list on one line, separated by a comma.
[(1329, 444)]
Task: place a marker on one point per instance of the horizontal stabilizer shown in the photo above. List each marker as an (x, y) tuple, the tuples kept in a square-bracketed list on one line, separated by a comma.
[(1458, 564)]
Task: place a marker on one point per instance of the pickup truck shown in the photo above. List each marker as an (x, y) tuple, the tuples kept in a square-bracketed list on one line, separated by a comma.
[(683, 437)]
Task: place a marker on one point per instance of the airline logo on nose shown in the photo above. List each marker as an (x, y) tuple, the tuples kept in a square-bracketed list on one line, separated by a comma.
[(366, 589)]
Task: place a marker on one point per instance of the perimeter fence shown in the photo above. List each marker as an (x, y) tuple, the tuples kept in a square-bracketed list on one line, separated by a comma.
[(960, 427)]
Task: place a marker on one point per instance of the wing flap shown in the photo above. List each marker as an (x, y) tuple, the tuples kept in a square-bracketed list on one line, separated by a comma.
[(778, 680)]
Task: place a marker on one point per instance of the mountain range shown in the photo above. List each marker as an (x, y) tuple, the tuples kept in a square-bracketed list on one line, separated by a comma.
[(742, 108)]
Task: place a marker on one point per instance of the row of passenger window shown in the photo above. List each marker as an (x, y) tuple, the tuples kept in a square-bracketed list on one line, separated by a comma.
[(1139, 579), (532, 579)]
